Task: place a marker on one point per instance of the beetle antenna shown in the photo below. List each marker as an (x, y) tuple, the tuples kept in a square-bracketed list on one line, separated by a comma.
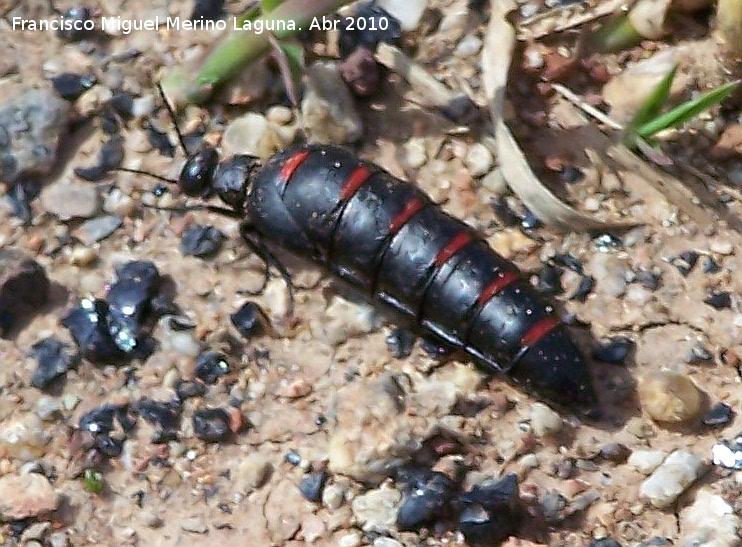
[(170, 110), (140, 172)]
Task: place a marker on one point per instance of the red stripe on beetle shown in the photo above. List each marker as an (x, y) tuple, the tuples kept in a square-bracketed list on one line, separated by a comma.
[(458, 242), (356, 179), (408, 211), (291, 165), (539, 330), (502, 280)]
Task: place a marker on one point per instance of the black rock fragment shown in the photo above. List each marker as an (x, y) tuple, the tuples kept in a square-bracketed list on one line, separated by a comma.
[(550, 280), (504, 212), (211, 425), (165, 415), (699, 354), (615, 452), (569, 261), (529, 220), (491, 511), (400, 343), (135, 301), (99, 420), (293, 457), (428, 495), (436, 349), (209, 10), (71, 86), (685, 261), (20, 196), (110, 157), (648, 280), (312, 485), (571, 174), (201, 241), (719, 414), (24, 288), (78, 25), (88, 325), (54, 359), (188, 389), (606, 242), (719, 300), (613, 350), (379, 26), (210, 366), (586, 286), (250, 320), (160, 141), (710, 266)]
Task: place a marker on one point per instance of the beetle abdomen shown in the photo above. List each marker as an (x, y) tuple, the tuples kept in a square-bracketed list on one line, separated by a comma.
[(385, 237)]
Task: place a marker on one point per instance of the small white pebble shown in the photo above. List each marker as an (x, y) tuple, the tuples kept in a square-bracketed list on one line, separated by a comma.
[(479, 160)]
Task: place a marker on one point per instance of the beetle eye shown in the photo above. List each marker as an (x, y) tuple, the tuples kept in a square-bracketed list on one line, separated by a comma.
[(198, 172)]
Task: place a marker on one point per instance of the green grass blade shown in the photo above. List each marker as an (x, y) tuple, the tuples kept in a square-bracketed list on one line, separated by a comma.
[(268, 6), (684, 112), (652, 106), (615, 35)]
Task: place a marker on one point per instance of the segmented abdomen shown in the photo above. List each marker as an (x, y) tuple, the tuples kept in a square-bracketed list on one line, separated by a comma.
[(385, 237)]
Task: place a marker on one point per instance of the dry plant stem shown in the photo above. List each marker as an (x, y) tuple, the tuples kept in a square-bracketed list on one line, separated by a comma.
[(575, 99), (729, 21), (496, 58), (195, 84)]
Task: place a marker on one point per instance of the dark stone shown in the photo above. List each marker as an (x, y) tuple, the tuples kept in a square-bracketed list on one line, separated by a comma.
[(292, 457), (250, 320), (569, 261), (720, 300), (109, 446), (110, 157), (24, 288), (571, 174), (710, 266), (160, 141), (187, 389), (550, 280), (615, 452), (587, 283), (131, 306), (553, 504), (88, 326), (201, 241), (529, 220), (209, 10), (77, 18), (491, 511), (312, 485), (210, 366), (211, 425), (54, 359), (99, 421), (71, 86), (685, 261), (613, 350), (428, 495), (719, 414), (400, 342), (606, 242), (165, 415), (648, 280), (503, 211), (20, 196), (699, 354)]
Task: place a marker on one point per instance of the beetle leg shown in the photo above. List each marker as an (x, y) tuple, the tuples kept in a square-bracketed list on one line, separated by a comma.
[(252, 238)]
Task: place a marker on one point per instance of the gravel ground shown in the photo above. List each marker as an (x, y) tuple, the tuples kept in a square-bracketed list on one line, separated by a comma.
[(318, 413)]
